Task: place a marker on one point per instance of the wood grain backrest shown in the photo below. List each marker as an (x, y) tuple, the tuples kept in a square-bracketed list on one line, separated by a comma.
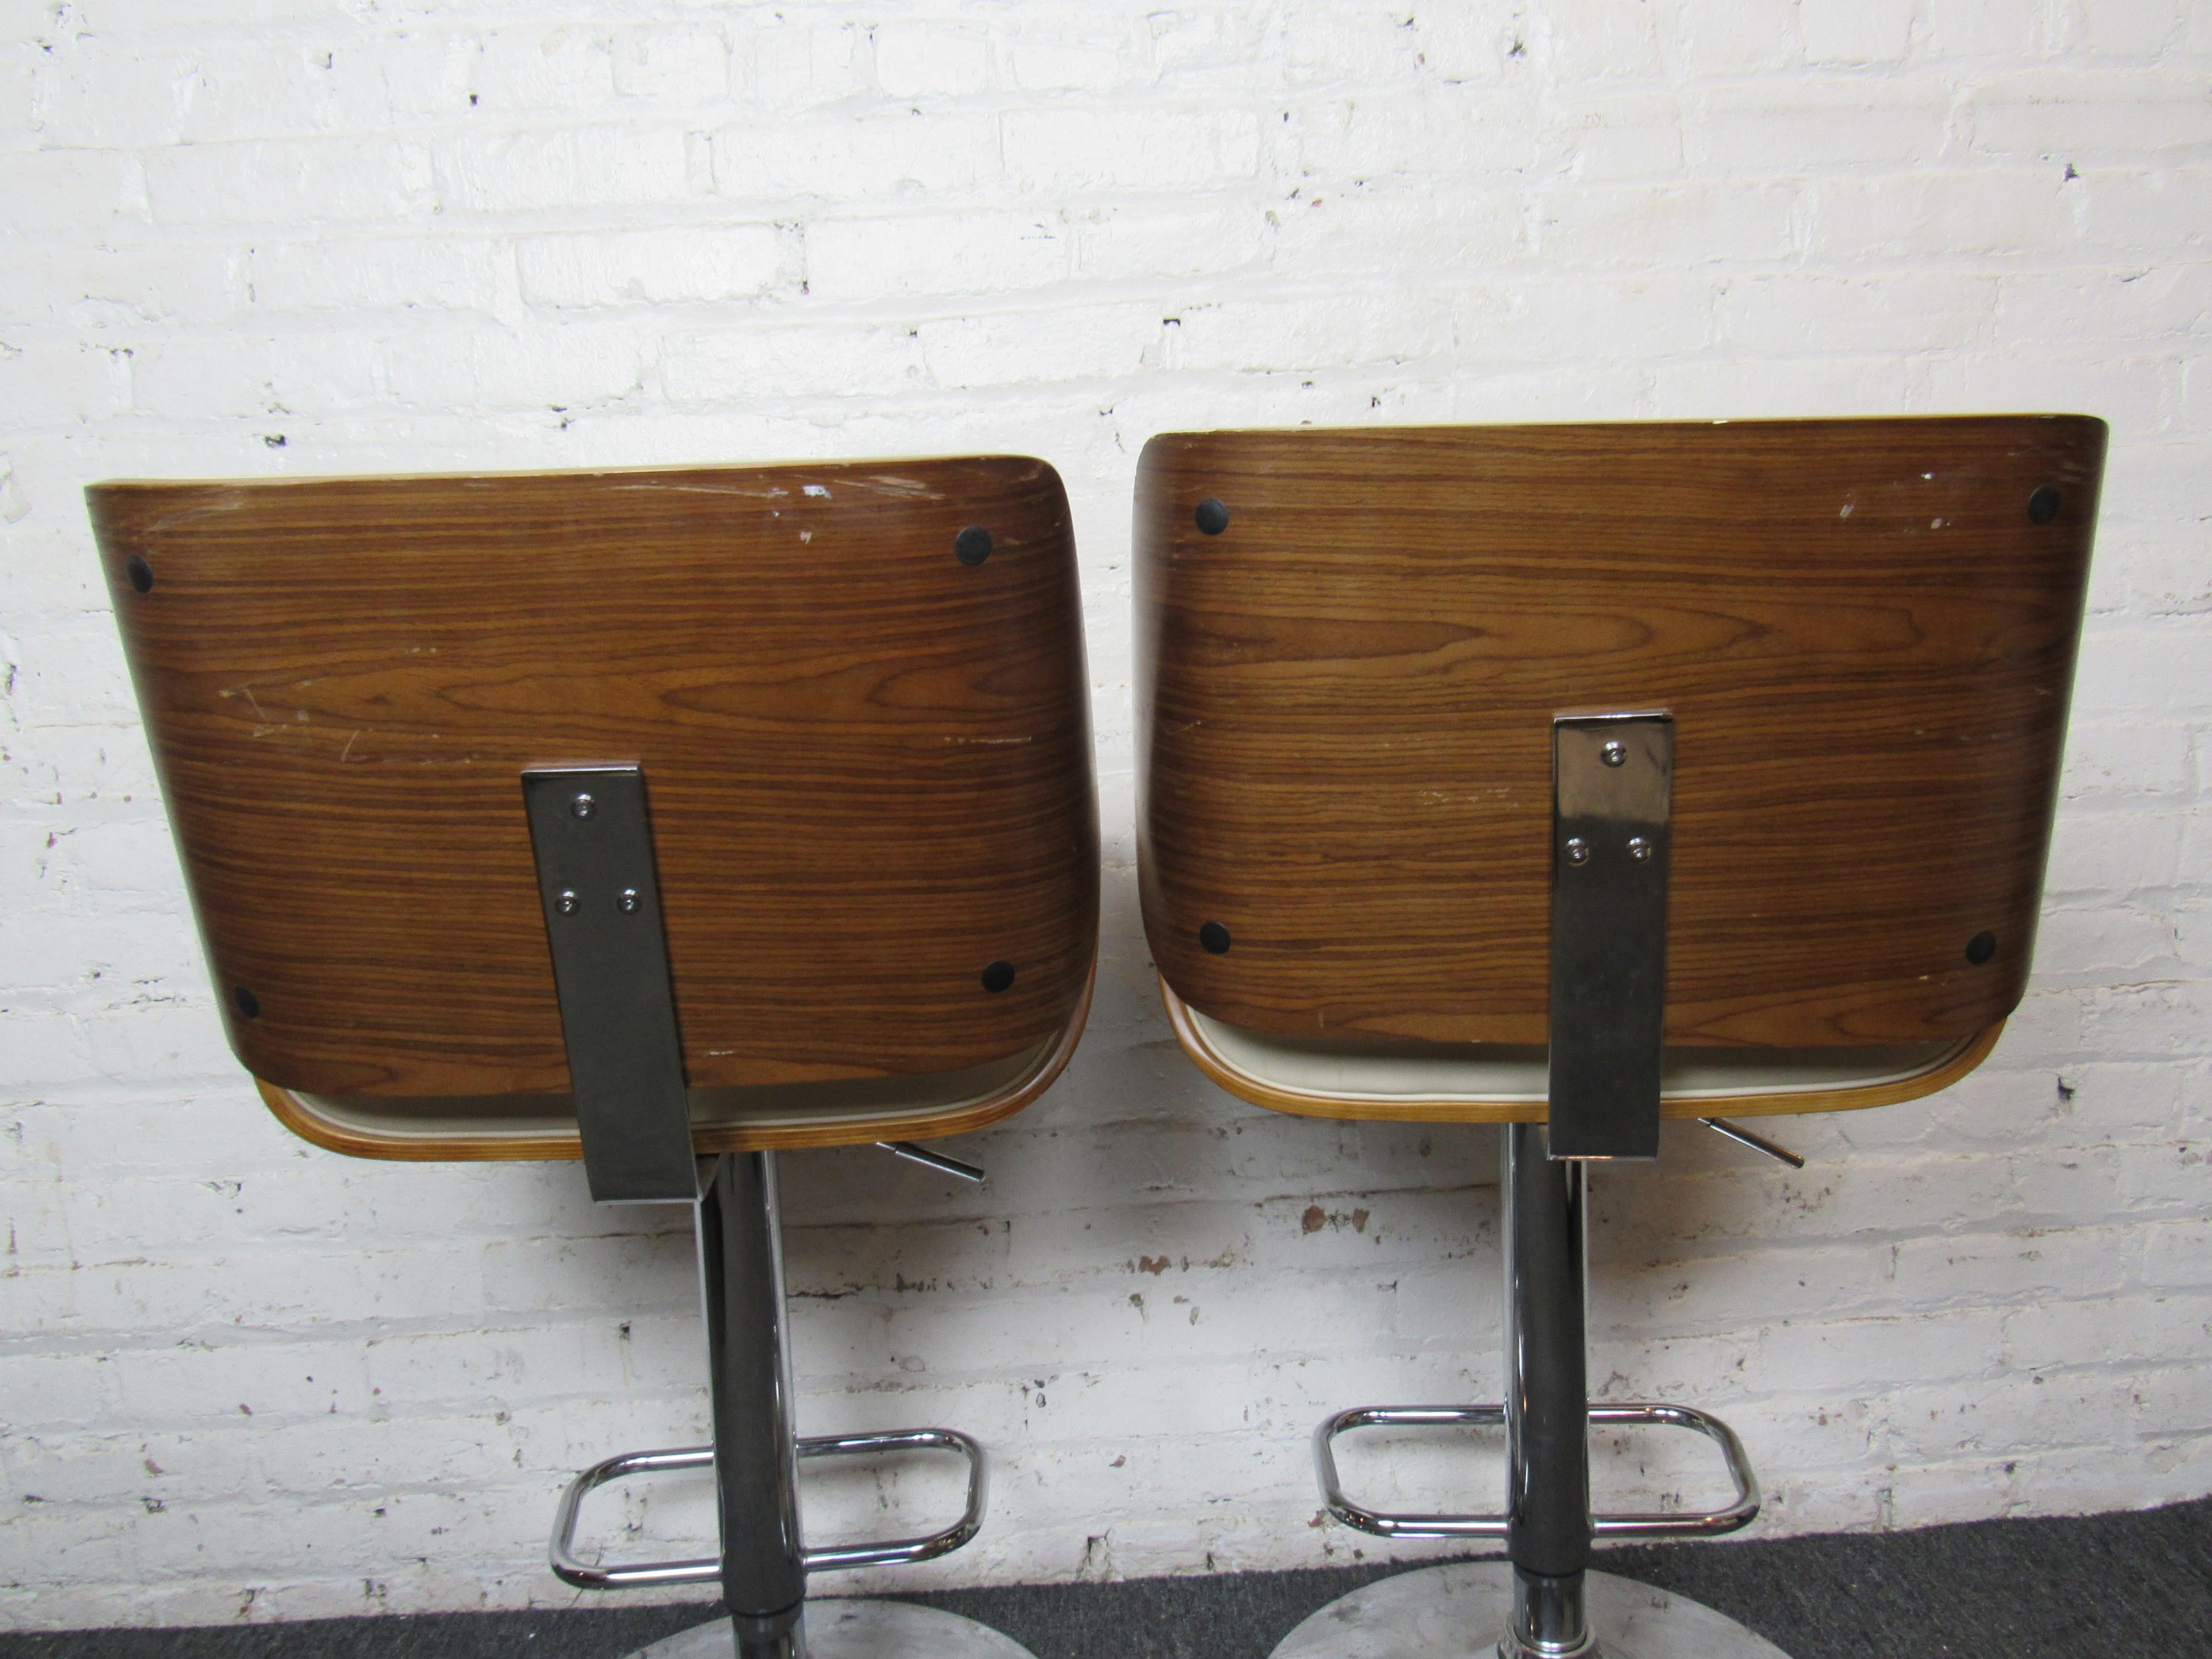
[(867, 757), (1865, 631)]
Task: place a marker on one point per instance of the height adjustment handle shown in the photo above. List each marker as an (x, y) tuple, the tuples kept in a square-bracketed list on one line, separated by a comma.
[(1743, 1137), (929, 1160)]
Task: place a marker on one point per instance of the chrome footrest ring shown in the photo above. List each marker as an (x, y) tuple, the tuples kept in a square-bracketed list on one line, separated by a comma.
[(1740, 1513), (643, 1575)]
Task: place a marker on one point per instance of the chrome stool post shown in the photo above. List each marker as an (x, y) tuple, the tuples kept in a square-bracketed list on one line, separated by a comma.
[(763, 1562), (1542, 1603), (1547, 1504)]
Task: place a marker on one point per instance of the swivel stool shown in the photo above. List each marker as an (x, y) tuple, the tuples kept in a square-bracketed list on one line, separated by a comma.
[(665, 819), (1572, 777)]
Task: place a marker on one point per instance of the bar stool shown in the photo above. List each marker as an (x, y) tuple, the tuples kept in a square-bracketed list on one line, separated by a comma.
[(665, 819), (1572, 777)]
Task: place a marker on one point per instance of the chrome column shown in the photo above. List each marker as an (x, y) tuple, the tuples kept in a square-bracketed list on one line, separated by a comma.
[(756, 1454), (1548, 1525)]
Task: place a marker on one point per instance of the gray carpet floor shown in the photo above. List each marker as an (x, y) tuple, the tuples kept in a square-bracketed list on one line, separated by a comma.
[(2133, 1584)]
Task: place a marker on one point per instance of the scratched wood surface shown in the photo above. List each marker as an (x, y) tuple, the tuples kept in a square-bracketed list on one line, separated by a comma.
[(1864, 632), (867, 762)]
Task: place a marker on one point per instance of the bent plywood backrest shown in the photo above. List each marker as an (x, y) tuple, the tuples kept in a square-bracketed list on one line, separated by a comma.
[(857, 693), (1353, 646)]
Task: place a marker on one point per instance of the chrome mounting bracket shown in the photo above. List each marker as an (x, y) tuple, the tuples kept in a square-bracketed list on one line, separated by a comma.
[(1612, 783), (593, 845)]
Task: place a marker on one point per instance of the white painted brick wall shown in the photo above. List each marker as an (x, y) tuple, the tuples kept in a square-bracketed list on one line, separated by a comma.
[(242, 1378)]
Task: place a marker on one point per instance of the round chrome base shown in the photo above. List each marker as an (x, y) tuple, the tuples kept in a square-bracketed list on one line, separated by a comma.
[(1460, 1612), (842, 1629)]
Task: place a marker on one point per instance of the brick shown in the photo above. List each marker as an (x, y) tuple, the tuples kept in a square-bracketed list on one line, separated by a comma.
[(1945, 215), (1130, 242), (2135, 211), (2169, 578), (881, 156), (1152, 149), (2071, 944), (1300, 334), (1771, 128), (552, 66), (2150, 1021), (2162, 661), (1842, 32), (1475, 230), (675, 65), (2131, 302), (2066, 1333), (2197, 394), (250, 88), (1797, 315), (1091, 342), (2128, 28), (2147, 482), (262, 378), (2104, 851), (646, 267), (374, 273), (54, 384), (1580, 44), (111, 93), (64, 189), (1736, 39), (1451, 132), (934, 254), (537, 366), (1684, 225), (1726, 388), (1660, 315), (581, 166), (286, 182), (932, 60), (96, 290), (797, 65), (771, 362), (1098, 64), (2073, 116), (1636, 135), (1985, 28)]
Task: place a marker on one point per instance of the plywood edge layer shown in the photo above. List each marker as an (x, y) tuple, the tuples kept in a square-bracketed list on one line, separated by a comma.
[(357, 1130), (119, 486), (1265, 1072)]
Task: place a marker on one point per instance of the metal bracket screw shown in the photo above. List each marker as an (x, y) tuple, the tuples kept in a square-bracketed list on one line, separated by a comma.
[(972, 545), (582, 807), (1639, 850), (628, 901), (567, 901), (1578, 850), (1615, 753)]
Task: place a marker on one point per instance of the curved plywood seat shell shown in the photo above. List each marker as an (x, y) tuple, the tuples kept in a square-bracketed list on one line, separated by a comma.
[(857, 693), (1503, 1083), (1351, 648), (765, 1117)]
